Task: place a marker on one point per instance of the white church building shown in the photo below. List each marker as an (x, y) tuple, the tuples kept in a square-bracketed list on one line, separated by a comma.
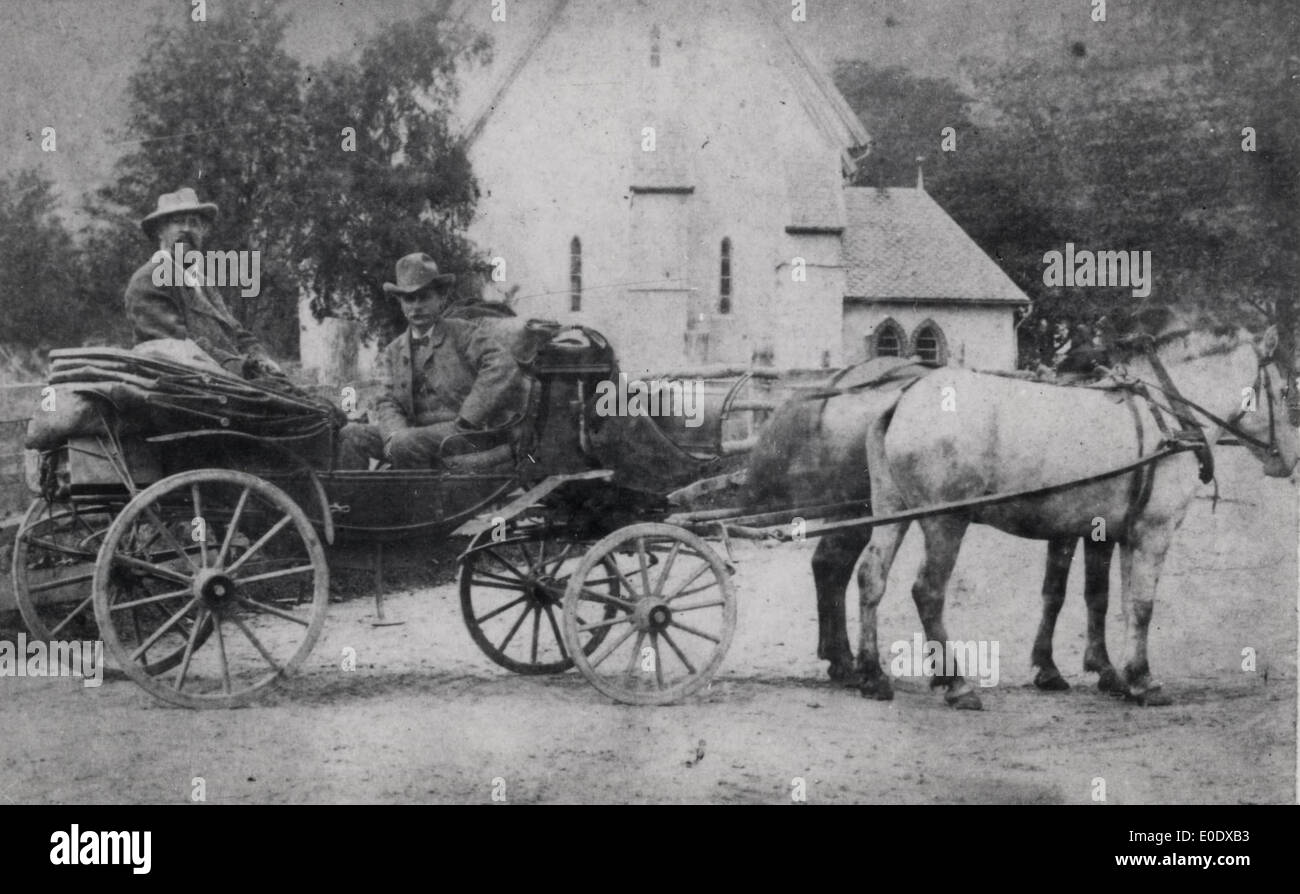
[(674, 173)]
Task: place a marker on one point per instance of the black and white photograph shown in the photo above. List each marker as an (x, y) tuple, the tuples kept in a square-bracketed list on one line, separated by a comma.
[(653, 402)]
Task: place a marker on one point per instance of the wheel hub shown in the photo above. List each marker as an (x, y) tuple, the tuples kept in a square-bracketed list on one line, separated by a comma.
[(214, 589), (652, 615)]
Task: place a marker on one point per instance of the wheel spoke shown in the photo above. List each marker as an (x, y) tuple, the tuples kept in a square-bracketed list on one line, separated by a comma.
[(166, 532), (231, 528), (555, 629), (515, 629), (257, 644), (271, 610), (189, 650), (680, 654), (162, 629), (691, 608), (203, 525), (512, 586), (81, 607), (488, 551), (134, 603), (659, 665), (686, 583), (557, 561), (270, 575), (605, 599), (609, 650), (159, 571), (53, 546), (505, 608), (630, 672), (641, 562), (700, 633), (513, 583), (61, 582), (600, 625), (537, 629), (221, 654), (668, 567), (261, 542)]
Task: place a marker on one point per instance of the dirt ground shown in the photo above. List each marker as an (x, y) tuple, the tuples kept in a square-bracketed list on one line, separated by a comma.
[(425, 717)]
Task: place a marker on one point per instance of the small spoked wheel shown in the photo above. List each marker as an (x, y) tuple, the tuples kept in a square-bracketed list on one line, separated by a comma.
[(672, 621), (219, 556), (511, 594)]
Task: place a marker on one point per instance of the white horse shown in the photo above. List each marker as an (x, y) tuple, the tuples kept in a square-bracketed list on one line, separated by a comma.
[(957, 435)]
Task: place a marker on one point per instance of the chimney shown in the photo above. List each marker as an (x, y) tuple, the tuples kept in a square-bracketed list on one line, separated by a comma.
[(920, 172)]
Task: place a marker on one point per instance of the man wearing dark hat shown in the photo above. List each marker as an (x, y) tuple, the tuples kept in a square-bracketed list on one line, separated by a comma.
[(189, 308), (451, 375)]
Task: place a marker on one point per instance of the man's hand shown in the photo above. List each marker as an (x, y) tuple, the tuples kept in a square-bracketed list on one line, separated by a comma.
[(262, 365)]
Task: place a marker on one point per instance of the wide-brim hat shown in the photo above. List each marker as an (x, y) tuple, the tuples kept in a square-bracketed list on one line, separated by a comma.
[(415, 273), (183, 201)]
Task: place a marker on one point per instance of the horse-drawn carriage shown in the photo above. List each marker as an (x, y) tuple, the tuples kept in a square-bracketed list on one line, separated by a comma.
[(197, 538), (185, 518)]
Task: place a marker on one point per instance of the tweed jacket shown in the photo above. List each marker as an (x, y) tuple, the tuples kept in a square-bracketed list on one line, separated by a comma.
[(183, 311), (468, 370)]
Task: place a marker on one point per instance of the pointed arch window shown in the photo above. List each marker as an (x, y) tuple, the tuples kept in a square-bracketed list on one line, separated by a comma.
[(575, 275), (889, 340), (929, 343), (724, 279), (654, 47)]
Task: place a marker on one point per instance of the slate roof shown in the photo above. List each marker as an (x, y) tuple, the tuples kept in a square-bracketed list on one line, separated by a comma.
[(900, 244)]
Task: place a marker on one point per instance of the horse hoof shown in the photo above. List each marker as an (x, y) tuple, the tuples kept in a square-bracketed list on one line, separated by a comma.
[(879, 688), (844, 675), (1109, 681), (965, 701), (1151, 698), (1050, 681)]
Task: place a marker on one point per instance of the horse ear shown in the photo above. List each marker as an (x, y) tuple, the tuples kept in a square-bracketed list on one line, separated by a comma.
[(1268, 342)]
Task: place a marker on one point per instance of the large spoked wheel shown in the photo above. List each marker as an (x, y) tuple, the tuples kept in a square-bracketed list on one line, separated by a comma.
[(218, 551), (672, 622), (511, 594), (53, 567)]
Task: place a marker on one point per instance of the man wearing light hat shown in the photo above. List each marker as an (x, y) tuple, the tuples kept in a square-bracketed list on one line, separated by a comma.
[(450, 381), (189, 308)]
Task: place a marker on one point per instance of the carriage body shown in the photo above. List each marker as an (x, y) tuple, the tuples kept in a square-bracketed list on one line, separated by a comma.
[(190, 534)]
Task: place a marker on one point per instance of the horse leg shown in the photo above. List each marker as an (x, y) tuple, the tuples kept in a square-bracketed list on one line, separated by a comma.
[(943, 537), (832, 566), (1096, 557), (1060, 553), (1140, 563), (873, 574)]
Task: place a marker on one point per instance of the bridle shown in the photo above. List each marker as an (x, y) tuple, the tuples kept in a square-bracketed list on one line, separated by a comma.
[(1262, 376)]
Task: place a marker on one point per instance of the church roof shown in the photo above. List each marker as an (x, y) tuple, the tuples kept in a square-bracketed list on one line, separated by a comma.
[(820, 98), (899, 244)]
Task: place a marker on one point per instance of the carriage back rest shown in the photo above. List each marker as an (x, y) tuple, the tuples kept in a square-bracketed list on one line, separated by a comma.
[(564, 365)]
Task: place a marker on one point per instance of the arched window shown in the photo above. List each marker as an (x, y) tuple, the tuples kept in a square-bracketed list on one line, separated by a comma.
[(575, 275), (654, 47), (724, 279), (888, 340), (929, 343)]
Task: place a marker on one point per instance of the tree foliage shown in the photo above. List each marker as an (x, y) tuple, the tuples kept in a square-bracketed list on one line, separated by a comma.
[(1130, 142), (223, 107), (47, 302)]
